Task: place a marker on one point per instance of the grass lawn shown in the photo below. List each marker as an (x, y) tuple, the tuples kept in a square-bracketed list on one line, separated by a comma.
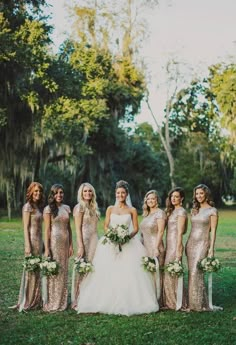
[(165, 327)]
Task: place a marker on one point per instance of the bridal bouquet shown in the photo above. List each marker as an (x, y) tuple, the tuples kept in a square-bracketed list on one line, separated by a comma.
[(49, 267), (149, 264), (209, 264), (31, 263), (118, 235), (83, 266), (174, 268)]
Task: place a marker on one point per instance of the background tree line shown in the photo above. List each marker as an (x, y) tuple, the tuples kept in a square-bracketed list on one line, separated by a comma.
[(68, 117)]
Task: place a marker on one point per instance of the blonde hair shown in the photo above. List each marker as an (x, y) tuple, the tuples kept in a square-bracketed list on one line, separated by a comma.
[(92, 207), (146, 208)]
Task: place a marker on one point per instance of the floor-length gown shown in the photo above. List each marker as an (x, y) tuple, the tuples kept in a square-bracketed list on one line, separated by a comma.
[(90, 240), (196, 249), (171, 283), (119, 284), (149, 230), (30, 290), (57, 285)]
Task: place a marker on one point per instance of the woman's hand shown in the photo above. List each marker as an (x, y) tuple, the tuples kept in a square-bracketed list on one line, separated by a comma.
[(71, 251), (156, 252), (47, 254), (27, 251), (210, 253), (80, 252)]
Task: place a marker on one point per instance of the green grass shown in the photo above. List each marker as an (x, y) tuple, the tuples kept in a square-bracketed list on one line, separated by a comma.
[(165, 327)]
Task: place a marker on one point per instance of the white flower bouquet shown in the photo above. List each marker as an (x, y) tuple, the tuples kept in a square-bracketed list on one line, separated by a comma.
[(117, 235), (148, 264), (174, 268), (31, 263), (209, 264), (82, 266), (49, 267)]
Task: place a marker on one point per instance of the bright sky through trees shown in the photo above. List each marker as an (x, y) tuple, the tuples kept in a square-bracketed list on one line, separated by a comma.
[(194, 33)]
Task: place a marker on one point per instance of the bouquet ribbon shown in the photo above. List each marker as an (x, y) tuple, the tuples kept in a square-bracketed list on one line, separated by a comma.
[(73, 285), (158, 286), (44, 290), (210, 290), (24, 284), (179, 298)]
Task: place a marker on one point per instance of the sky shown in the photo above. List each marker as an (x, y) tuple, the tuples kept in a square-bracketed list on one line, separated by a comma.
[(195, 33)]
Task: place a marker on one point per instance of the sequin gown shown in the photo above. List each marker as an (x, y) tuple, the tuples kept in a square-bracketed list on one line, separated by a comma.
[(30, 281), (90, 240), (149, 231), (170, 283), (118, 284), (57, 285), (196, 249)]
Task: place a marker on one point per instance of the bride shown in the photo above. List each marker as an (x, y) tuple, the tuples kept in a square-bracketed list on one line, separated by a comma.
[(119, 284)]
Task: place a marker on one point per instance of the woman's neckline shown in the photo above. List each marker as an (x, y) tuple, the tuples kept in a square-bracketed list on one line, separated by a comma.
[(121, 214)]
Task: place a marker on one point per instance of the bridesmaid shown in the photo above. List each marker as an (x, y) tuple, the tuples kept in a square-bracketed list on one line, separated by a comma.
[(152, 230), (58, 246), (176, 226), (30, 294), (200, 244), (86, 217)]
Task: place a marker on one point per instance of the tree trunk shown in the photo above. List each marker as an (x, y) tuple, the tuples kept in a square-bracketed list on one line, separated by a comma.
[(10, 197), (167, 147)]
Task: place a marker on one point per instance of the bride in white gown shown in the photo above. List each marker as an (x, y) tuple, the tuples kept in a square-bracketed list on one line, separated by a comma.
[(119, 284)]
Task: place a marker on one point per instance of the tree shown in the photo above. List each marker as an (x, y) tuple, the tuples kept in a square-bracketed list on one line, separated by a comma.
[(24, 62)]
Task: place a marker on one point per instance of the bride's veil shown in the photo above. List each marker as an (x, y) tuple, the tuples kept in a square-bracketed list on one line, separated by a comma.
[(128, 201)]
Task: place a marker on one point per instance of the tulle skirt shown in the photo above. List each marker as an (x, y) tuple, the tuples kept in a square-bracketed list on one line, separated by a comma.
[(118, 284)]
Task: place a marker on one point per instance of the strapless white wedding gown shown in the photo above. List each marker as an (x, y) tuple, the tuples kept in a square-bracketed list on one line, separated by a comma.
[(118, 284)]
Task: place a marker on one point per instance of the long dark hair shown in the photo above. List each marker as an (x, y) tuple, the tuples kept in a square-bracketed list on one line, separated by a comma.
[(196, 204), (51, 200), (169, 206)]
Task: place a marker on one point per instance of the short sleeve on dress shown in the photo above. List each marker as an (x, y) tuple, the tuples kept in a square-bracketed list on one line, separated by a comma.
[(77, 209), (182, 212), (160, 215), (214, 212), (47, 210), (67, 208), (27, 208)]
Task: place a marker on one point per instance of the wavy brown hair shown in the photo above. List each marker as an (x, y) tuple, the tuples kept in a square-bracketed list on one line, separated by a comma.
[(29, 196), (196, 204), (51, 200), (169, 206), (146, 208)]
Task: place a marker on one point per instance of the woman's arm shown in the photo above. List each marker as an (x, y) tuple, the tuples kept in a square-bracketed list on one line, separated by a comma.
[(107, 218), (213, 227), (47, 222), (181, 225), (134, 216), (26, 224), (79, 236), (71, 252), (161, 227)]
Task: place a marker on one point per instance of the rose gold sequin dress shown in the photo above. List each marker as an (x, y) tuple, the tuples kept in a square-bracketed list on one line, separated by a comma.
[(149, 231), (59, 245), (196, 249), (30, 282), (90, 240), (170, 283)]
